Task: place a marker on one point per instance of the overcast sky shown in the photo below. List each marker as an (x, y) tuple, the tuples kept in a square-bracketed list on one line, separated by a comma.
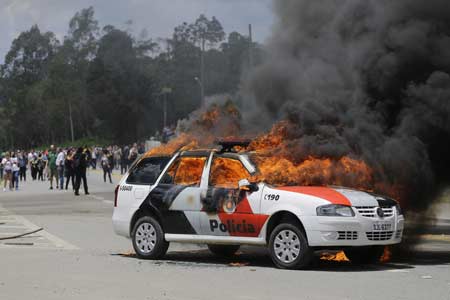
[(159, 17)]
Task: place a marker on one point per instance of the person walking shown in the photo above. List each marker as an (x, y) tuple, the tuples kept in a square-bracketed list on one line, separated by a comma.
[(34, 167), (133, 155), (94, 158), (124, 160), (15, 173), (40, 163), (106, 165), (80, 165), (2, 155), (60, 159), (69, 169), (30, 157), (117, 156), (7, 169), (23, 162), (52, 167)]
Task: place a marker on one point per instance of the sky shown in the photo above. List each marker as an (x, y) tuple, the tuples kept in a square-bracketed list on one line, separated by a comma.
[(158, 17)]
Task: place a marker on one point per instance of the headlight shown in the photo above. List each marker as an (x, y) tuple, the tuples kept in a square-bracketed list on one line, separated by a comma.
[(335, 210), (398, 209)]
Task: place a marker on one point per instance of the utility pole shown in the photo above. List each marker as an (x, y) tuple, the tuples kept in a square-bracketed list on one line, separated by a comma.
[(71, 121), (202, 92), (202, 73), (165, 91), (250, 46)]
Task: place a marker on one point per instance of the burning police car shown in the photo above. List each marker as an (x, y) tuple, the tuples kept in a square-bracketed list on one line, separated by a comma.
[(205, 196)]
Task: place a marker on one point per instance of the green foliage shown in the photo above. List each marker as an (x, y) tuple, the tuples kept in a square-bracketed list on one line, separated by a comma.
[(108, 84)]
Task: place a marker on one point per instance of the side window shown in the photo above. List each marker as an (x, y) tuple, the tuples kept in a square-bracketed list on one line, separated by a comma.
[(226, 173), (185, 171), (147, 170), (169, 176)]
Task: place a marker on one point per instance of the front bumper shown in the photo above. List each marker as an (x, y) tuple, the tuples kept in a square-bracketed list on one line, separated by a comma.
[(353, 231)]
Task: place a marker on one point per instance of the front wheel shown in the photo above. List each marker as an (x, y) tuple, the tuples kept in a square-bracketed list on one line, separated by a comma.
[(148, 239), (364, 255), (289, 248)]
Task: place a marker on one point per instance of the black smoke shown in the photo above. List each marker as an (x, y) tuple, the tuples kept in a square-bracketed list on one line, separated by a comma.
[(364, 78)]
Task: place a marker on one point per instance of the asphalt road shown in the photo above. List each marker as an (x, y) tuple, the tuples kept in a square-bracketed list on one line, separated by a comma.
[(77, 256)]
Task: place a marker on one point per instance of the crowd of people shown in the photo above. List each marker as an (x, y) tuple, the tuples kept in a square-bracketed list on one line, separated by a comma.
[(64, 166)]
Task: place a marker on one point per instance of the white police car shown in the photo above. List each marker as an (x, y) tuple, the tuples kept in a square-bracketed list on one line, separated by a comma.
[(206, 197)]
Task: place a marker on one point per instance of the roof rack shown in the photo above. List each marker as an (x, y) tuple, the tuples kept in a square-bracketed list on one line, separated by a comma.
[(228, 145)]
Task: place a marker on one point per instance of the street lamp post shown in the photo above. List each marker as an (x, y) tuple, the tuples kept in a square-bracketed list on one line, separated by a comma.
[(165, 91), (202, 91)]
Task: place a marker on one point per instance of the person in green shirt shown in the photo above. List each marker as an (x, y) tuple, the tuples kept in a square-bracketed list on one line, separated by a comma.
[(53, 173)]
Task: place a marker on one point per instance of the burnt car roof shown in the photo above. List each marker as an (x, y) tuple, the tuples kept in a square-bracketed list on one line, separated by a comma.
[(196, 153)]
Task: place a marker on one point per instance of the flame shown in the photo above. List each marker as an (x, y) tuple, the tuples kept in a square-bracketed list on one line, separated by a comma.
[(226, 173), (279, 154), (387, 255), (187, 170), (338, 257)]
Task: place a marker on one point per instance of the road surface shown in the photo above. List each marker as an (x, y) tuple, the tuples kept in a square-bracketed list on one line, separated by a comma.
[(77, 256)]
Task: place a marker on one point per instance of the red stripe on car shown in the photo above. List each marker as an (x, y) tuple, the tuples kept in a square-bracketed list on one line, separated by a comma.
[(320, 192)]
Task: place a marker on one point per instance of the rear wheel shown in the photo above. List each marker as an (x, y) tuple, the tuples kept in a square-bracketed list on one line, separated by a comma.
[(289, 248), (148, 239), (364, 255), (224, 250)]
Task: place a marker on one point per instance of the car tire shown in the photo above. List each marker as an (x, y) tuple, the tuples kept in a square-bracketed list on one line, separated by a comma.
[(289, 247), (364, 255), (148, 239), (224, 250)]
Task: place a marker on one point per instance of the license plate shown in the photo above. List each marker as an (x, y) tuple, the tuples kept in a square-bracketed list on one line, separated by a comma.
[(382, 226)]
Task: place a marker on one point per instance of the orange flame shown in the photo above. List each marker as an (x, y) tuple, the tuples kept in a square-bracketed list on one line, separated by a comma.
[(387, 255), (279, 154), (339, 257)]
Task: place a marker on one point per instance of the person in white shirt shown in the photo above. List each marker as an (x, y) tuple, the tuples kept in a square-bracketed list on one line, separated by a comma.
[(15, 172), (7, 167), (60, 167)]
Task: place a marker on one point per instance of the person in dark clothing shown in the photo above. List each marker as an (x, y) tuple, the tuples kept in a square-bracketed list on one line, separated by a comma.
[(124, 160), (69, 169), (34, 167), (80, 165), (40, 167), (23, 162)]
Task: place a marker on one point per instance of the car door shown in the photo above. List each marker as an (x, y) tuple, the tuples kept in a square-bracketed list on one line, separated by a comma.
[(178, 194), (227, 210)]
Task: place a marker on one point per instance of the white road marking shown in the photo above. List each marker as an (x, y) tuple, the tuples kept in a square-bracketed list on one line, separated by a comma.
[(28, 226), (100, 198)]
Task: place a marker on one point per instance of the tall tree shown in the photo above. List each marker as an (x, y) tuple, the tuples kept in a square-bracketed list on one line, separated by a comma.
[(205, 32), (26, 65), (122, 87), (80, 46)]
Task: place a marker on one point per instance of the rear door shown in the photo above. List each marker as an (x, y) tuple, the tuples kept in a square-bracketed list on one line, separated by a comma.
[(136, 186)]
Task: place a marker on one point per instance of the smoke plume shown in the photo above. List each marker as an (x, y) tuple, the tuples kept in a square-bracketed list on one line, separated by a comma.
[(367, 79)]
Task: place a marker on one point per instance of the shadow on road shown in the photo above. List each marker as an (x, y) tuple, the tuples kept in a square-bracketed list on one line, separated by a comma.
[(258, 257)]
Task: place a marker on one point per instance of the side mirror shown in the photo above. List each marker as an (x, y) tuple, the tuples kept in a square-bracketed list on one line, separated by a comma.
[(245, 185)]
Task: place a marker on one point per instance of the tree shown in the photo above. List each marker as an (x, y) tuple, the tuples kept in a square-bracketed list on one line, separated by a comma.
[(122, 86), (206, 31), (26, 65)]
